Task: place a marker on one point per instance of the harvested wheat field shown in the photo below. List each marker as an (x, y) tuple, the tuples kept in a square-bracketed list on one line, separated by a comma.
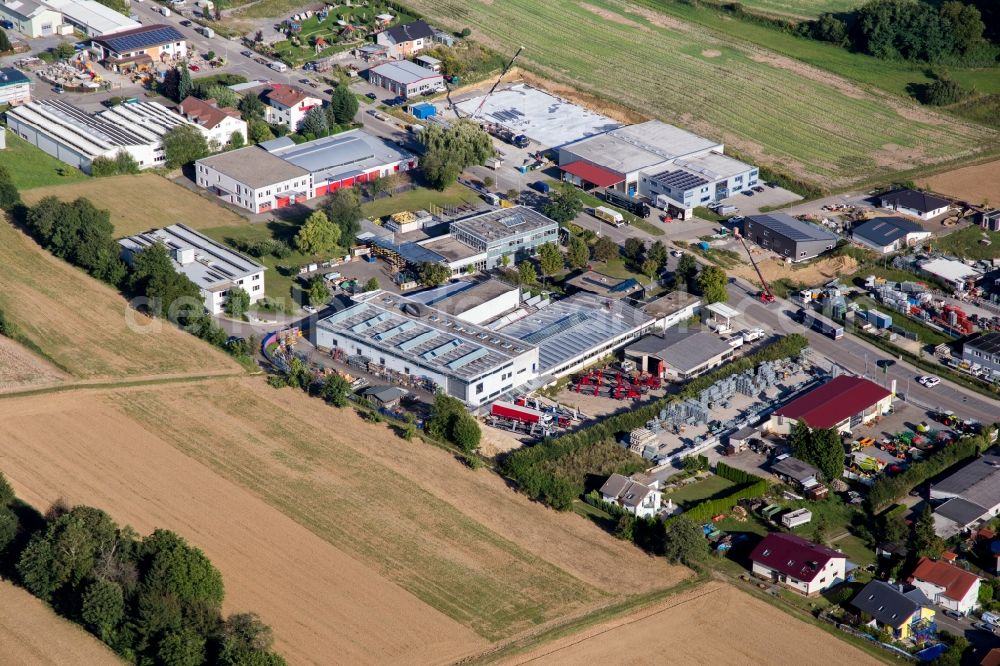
[(347, 539), (713, 624), (141, 202), (30, 633), (21, 369), (86, 327), (978, 184)]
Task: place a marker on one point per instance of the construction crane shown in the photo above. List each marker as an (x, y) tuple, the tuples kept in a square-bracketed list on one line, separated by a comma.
[(765, 296), (497, 83)]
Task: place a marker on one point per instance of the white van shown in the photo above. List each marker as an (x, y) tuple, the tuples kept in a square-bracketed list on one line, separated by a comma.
[(164, 11), (612, 217), (278, 66)]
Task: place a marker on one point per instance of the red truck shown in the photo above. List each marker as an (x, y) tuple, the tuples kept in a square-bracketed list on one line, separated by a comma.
[(508, 410)]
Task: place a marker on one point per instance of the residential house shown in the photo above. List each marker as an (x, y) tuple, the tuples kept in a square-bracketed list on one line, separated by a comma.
[(288, 105), (213, 267), (946, 585), (218, 124), (15, 87), (798, 564), (403, 41), (888, 234), (638, 499), (893, 608), (915, 203)]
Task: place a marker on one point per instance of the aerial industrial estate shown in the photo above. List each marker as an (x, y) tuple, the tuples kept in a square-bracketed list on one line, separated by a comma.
[(316, 320)]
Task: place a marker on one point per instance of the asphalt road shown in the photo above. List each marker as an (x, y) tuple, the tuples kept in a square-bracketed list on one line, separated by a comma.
[(860, 358)]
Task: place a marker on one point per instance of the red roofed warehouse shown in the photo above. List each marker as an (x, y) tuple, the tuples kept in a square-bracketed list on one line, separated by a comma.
[(842, 403), (947, 585), (802, 565)]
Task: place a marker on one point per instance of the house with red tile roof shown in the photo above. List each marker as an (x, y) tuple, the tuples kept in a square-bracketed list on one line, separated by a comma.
[(947, 585), (842, 403), (217, 123), (799, 564), (288, 105)]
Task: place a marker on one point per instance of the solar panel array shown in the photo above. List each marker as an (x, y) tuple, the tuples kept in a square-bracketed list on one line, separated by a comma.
[(791, 228), (137, 41), (680, 180)]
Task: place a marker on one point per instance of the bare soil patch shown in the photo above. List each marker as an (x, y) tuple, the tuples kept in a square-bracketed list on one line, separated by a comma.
[(30, 633), (87, 327), (814, 273), (975, 184), (712, 624), (842, 85), (614, 17), (142, 202), (21, 369), (323, 604), (496, 441), (711, 53)]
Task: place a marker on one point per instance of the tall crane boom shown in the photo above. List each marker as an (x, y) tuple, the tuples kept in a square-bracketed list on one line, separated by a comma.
[(497, 83), (765, 296)]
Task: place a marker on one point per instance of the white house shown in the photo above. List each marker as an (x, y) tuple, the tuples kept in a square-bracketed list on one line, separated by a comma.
[(915, 203), (638, 499), (405, 40), (254, 179), (212, 266), (217, 123), (288, 105), (801, 565), (947, 585)]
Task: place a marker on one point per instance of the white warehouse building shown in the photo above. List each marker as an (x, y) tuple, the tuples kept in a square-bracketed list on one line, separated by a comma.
[(77, 137), (469, 362), (213, 267)]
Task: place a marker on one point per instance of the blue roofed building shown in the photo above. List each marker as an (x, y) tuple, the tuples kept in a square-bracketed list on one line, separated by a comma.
[(793, 239), (888, 234)]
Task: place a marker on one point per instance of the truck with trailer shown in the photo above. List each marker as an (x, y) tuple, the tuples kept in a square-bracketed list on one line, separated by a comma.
[(612, 217), (818, 322), (517, 416), (631, 204)]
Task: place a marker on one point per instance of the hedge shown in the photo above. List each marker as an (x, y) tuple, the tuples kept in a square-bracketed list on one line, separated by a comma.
[(737, 476), (714, 507)]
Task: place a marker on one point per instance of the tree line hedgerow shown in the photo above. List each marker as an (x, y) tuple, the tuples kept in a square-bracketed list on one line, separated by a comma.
[(554, 471), (83, 235), (152, 599)]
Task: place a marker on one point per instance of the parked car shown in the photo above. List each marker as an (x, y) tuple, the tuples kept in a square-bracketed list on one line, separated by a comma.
[(9, 25), (59, 90), (748, 193), (304, 82), (953, 613), (313, 84), (371, 96), (311, 309), (246, 54), (930, 381), (759, 188), (186, 23)]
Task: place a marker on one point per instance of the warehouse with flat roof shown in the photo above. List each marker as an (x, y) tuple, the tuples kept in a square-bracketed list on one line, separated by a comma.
[(92, 18), (971, 496), (405, 78), (212, 266), (793, 239), (505, 232), (679, 353), (471, 363)]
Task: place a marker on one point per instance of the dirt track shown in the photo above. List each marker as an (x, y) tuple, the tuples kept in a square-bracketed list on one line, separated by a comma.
[(30, 633), (713, 624)]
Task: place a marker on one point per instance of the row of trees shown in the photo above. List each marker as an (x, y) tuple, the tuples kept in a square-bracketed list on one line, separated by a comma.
[(152, 599), (951, 32), (550, 471), (821, 447)]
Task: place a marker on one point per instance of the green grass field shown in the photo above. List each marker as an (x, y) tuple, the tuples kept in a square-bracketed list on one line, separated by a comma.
[(966, 243), (800, 8), (420, 199), (776, 110), (691, 494), (32, 167)]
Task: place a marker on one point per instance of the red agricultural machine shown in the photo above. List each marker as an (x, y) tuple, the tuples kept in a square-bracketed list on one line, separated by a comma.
[(616, 384)]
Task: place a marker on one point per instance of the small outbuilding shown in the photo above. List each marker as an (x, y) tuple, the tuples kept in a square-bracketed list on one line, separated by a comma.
[(386, 397)]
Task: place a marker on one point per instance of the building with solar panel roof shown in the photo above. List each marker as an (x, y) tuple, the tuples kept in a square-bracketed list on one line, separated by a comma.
[(212, 266), (511, 232), (791, 238), (146, 44)]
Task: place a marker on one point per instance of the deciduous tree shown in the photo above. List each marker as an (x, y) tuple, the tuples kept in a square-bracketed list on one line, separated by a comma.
[(578, 253), (564, 204), (550, 259), (237, 302), (604, 249), (712, 285), (317, 235), (184, 144), (343, 208), (432, 274)]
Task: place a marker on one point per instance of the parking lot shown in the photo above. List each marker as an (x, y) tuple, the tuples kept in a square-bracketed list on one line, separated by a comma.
[(768, 197)]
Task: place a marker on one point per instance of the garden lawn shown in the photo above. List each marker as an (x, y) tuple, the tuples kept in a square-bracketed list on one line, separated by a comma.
[(966, 243), (420, 198), (32, 167), (689, 495), (776, 110)]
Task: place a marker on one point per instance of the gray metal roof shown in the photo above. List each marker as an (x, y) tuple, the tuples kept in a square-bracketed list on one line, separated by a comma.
[(435, 340), (341, 155), (405, 72), (886, 603), (458, 296), (885, 230), (502, 223), (637, 147), (978, 482), (386, 393), (793, 229), (795, 469), (987, 342), (253, 166), (683, 349), (630, 493), (571, 327), (961, 511)]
